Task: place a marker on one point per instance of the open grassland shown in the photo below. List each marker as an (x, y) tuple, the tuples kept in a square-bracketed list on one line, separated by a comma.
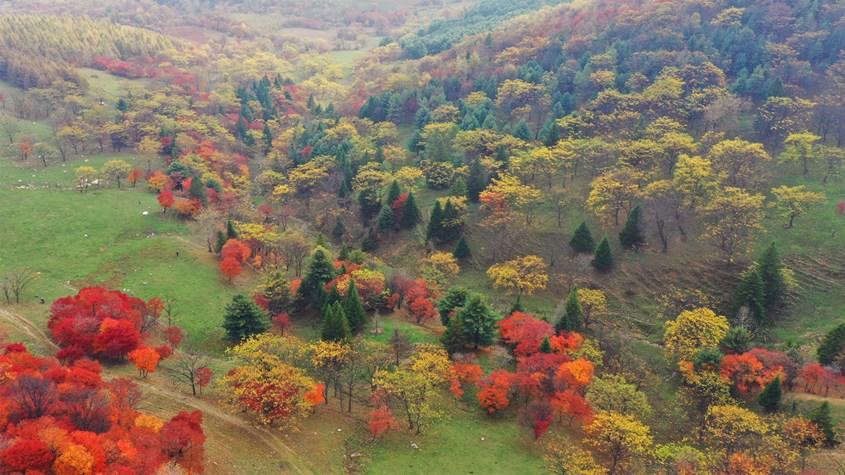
[(103, 237)]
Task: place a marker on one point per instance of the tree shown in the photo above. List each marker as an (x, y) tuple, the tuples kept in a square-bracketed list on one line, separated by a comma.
[(45, 152), (631, 235), (15, 283), (593, 304), (771, 273), (603, 258), (145, 359), (166, 200), (621, 439), (732, 216), (231, 268), (770, 398), (582, 240), (320, 271), (801, 147), (462, 250), (749, 294), (192, 368), (820, 416), (739, 162), (385, 218), (435, 222), (411, 213), (523, 275), (354, 309), (692, 331), (243, 319), (614, 393), (573, 316), (478, 321), (793, 201), (335, 324), (116, 170), (455, 298), (832, 345), (736, 341)]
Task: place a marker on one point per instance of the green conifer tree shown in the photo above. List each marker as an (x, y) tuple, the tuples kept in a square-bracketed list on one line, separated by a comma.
[(462, 250), (435, 222), (231, 233), (458, 188), (832, 345), (749, 294), (320, 271), (197, 190), (355, 314), (339, 230), (478, 321), (370, 242), (393, 193), (582, 240), (546, 346), (385, 219), (450, 224), (822, 419), (455, 298), (771, 272), (243, 319), (335, 325), (454, 338), (411, 215), (603, 258), (573, 315), (476, 182), (631, 236), (770, 398)]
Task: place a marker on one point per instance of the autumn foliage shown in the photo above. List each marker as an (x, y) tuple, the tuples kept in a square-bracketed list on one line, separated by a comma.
[(67, 420)]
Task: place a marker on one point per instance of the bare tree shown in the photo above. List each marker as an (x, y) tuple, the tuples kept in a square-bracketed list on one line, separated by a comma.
[(15, 282), (187, 366)]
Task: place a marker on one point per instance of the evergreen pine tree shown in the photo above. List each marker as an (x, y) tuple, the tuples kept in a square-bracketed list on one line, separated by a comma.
[(276, 290), (458, 188), (449, 225), (822, 419), (631, 235), (469, 122), (521, 131), (335, 325), (490, 123), (736, 341), (477, 181), (749, 294), (221, 241), (411, 215), (517, 305), (462, 250), (320, 271), (197, 190), (478, 321), (455, 298), (582, 240), (393, 192), (435, 222), (329, 298), (339, 230), (230, 230), (769, 399), (321, 241), (832, 344), (355, 314), (370, 242), (385, 219), (344, 252), (546, 346), (454, 338), (344, 190), (573, 315), (243, 319), (549, 133), (603, 258), (771, 273), (268, 138)]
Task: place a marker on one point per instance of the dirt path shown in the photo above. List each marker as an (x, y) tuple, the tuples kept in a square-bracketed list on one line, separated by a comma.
[(230, 423)]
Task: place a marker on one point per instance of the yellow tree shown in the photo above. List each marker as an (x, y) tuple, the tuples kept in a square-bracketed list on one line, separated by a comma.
[(116, 170), (693, 178), (793, 201), (732, 216), (739, 162), (801, 147), (614, 191), (623, 441), (523, 275), (537, 161), (85, 177), (562, 458), (149, 147), (593, 304), (508, 193), (692, 331), (740, 437)]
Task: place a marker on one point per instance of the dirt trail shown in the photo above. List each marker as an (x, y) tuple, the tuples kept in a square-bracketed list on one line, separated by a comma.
[(233, 423)]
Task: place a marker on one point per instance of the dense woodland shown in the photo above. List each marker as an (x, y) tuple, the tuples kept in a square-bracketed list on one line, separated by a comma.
[(606, 236)]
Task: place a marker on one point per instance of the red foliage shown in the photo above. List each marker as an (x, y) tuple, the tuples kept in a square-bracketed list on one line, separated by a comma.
[(204, 375), (464, 373), (27, 454), (237, 250), (381, 420), (173, 335), (135, 175), (493, 391), (281, 322), (572, 404), (747, 373), (231, 268), (819, 380), (56, 415), (523, 333), (166, 199), (840, 208), (98, 322), (419, 300), (398, 207)]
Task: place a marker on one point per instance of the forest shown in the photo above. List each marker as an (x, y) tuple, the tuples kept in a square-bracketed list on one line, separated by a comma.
[(596, 237)]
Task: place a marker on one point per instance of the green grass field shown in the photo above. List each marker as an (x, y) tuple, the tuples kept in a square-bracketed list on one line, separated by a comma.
[(102, 237)]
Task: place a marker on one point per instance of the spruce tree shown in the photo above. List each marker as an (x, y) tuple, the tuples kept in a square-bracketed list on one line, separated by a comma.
[(771, 272), (822, 419), (355, 314), (573, 315), (749, 294), (339, 230), (455, 298), (335, 325), (230, 230), (603, 258), (462, 250), (435, 222), (370, 242), (276, 291), (344, 252), (458, 188), (832, 344), (477, 181), (631, 236), (522, 131), (221, 241), (385, 219), (197, 190), (582, 240), (449, 225), (736, 341), (320, 271), (549, 133), (546, 346), (243, 319), (411, 215), (330, 298), (769, 399), (454, 338), (344, 190), (393, 192), (478, 321)]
